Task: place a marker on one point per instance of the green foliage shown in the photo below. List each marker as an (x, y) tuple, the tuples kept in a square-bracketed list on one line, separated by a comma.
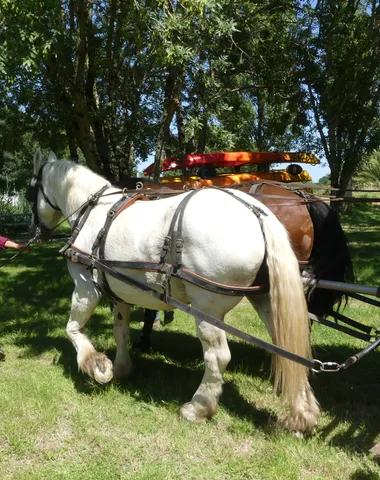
[(7, 207), (338, 48), (116, 81), (369, 173), (324, 180)]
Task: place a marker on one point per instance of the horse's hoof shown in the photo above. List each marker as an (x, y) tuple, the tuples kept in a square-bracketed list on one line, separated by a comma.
[(100, 367), (188, 412), (168, 317), (197, 413), (122, 372), (141, 346), (300, 426)]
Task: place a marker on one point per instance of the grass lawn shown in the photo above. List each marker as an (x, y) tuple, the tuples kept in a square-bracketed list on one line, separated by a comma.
[(57, 424)]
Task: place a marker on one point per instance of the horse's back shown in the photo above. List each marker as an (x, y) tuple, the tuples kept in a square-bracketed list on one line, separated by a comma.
[(220, 235)]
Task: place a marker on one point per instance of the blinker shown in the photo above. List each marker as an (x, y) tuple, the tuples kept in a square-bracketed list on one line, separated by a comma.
[(31, 193)]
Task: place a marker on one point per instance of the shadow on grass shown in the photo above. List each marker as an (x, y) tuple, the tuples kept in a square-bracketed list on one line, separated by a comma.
[(364, 242), (363, 216), (40, 288), (351, 397), (363, 475)]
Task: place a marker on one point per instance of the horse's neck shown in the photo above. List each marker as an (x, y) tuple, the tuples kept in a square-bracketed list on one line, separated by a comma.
[(74, 184)]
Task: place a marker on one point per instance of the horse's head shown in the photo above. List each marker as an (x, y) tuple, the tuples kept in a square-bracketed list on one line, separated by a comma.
[(46, 213)]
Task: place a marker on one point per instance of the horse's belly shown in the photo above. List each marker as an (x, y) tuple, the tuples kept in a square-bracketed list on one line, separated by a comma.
[(138, 297)]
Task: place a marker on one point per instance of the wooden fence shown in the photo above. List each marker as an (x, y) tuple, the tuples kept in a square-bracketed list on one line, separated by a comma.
[(15, 222)]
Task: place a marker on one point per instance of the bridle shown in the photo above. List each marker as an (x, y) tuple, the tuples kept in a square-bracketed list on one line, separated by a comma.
[(41, 231)]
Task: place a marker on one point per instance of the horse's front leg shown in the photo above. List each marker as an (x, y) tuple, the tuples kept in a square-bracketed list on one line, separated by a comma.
[(84, 300), (122, 315)]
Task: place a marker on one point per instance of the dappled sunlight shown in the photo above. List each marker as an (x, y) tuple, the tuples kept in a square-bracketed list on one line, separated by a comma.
[(35, 303)]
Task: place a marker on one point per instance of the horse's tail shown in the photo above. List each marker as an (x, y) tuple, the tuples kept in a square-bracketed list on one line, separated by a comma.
[(290, 328), (329, 260)]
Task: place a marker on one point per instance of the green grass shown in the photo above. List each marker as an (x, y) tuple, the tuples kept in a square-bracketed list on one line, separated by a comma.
[(57, 424)]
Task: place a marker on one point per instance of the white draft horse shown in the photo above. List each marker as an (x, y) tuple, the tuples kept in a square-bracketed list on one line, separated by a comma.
[(223, 241)]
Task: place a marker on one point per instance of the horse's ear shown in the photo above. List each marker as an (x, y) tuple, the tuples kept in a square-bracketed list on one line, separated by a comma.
[(37, 161), (52, 157)]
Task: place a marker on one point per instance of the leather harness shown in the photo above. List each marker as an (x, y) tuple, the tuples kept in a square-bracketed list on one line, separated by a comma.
[(96, 260)]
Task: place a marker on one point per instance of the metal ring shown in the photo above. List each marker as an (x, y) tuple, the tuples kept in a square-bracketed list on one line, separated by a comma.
[(320, 366)]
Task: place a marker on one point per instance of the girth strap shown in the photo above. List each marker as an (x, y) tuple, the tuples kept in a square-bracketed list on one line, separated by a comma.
[(98, 246), (177, 232)]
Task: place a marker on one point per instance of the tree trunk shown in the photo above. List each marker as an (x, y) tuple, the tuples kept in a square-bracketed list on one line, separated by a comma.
[(86, 139), (260, 142), (202, 136), (173, 87), (70, 133), (97, 122), (181, 130)]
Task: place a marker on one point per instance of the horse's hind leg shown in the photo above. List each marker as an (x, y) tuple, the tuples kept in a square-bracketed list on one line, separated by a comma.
[(216, 354), (84, 300), (302, 409), (122, 364)]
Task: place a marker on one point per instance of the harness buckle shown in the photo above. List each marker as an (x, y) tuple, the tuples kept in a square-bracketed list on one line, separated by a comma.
[(179, 245), (165, 248), (71, 254), (166, 283), (178, 251)]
